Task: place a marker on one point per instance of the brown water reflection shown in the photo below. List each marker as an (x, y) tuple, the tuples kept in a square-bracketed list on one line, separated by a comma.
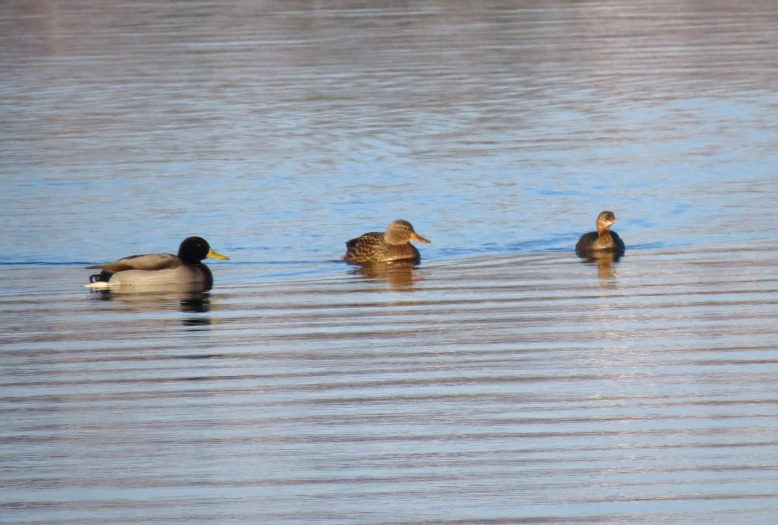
[(398, 275), (605, 261)]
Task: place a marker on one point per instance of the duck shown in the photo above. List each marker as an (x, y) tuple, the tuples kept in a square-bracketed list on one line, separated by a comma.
[(603, 239), (394, 244), (159, 269)]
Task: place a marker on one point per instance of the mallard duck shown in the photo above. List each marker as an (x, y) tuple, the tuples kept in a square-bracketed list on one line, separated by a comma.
[(159, 269), (391, 245), (603, 239)]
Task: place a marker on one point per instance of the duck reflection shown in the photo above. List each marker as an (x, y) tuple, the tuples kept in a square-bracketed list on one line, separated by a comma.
[(397, 275), (189, 299), (604, 261)]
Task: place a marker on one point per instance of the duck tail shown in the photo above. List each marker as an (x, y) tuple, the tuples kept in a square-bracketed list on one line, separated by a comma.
[(102, 276), (99, 281), (97, 285)]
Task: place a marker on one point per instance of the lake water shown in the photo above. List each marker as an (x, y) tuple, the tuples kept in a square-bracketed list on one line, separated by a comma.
[(501, 381)]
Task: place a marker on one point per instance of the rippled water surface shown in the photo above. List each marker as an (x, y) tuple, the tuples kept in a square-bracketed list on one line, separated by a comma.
[(501, 381)]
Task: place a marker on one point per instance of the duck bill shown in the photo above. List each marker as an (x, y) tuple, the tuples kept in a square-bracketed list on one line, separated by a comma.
[(213, 255), (418, 238)]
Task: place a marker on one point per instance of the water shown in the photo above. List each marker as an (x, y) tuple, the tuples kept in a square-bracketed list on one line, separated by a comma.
[(501, 381)]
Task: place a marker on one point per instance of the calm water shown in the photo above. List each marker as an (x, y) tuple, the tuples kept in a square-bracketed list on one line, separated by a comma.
[(503, 380)]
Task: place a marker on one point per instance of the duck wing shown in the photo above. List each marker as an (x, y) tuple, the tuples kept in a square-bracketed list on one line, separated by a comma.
[(586, 241), (149, 262), (367, 247)]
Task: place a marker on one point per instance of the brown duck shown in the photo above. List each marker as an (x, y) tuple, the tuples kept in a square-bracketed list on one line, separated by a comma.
[(603, 239), (392, 245)]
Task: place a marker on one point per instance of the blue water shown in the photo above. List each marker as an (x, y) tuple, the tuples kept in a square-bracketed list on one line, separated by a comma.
[(134, 136), (700, 189), (501, 381)]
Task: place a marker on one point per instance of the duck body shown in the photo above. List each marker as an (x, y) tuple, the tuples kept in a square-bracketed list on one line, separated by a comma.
[(371, 247), (392, 245), (592, 241), (603, 239), (159, 269)]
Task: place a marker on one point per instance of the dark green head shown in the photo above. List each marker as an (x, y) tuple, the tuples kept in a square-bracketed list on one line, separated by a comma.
[(195, 249)]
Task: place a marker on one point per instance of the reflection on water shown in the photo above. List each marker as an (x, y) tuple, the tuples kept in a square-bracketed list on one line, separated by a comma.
[(188, 298), (500, 381), (489, 378), (398, 275), (604, 260), (197, 304)]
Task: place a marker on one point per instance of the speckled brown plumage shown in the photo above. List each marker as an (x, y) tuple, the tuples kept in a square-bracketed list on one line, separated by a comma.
[(391, 245)]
